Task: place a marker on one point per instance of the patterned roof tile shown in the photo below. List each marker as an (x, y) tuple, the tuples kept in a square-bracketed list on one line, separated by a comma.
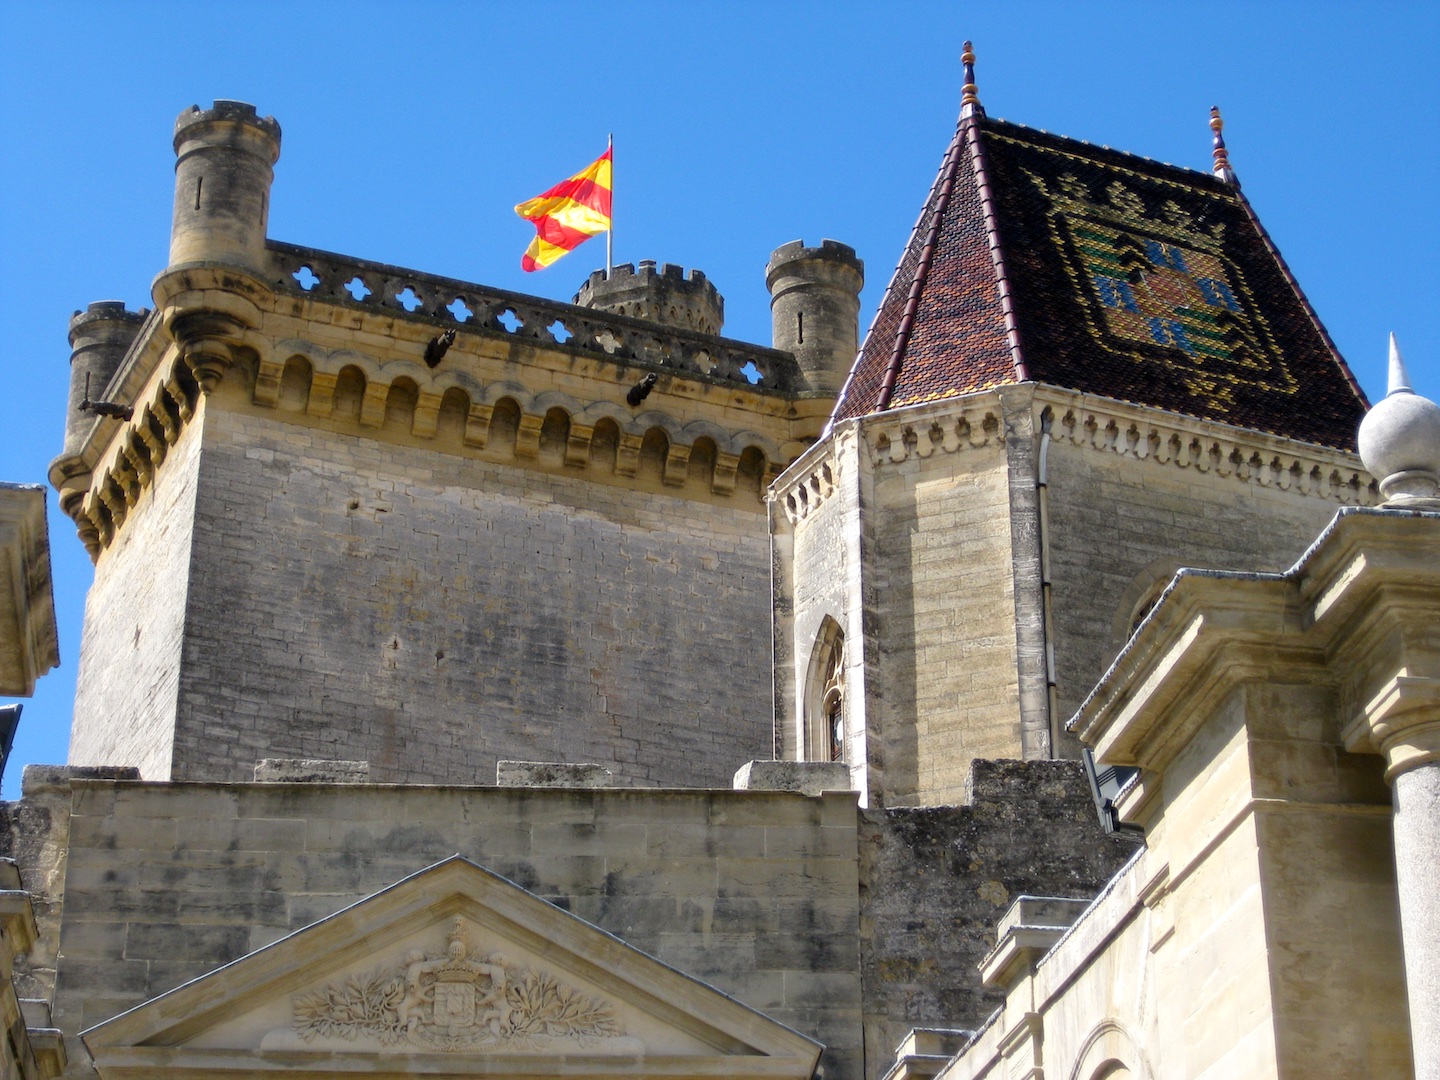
[(1045, 258)]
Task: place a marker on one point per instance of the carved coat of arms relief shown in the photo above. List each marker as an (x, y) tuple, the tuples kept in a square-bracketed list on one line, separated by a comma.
[(457, 998)]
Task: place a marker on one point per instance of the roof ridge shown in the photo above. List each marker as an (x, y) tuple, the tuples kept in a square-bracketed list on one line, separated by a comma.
[(860, 353), (944, 186), (980, 165), (1107, 148), (1299, 293)]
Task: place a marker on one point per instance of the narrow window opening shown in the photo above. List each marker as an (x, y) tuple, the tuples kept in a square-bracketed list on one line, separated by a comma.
[(824, 733), (833, 706), (199, 183), (800, 328)]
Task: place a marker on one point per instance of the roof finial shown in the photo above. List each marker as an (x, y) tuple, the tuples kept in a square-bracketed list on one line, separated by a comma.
[(970, 93), (1221, 168), (1399, 442), (1399, 377)]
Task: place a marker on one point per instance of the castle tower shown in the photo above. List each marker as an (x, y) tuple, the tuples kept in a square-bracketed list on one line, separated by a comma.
[(668, 296), (225, 157), (815, 308), (99, 338), (1089, 370), (362, 513)]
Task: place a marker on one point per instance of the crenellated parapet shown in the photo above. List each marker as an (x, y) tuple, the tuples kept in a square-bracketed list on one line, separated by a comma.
[(667, 296)]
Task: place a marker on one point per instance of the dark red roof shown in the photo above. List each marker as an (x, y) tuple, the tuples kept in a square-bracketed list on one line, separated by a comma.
[(1042, 258)]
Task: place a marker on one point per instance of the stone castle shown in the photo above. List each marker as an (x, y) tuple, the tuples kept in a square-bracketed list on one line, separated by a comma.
[(474, 683)]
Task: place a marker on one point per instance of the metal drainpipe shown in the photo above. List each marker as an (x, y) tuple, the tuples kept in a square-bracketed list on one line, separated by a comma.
[(1043, 519)]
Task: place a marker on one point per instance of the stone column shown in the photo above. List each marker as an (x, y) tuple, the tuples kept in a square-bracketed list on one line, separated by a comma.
[(1403, 723)]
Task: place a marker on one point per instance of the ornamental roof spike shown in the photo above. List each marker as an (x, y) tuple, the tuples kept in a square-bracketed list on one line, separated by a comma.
[(1221, 154), (970, 93), (1399, 382)]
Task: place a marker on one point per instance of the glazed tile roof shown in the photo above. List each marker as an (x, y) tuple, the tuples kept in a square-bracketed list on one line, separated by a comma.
[(1041, 258)]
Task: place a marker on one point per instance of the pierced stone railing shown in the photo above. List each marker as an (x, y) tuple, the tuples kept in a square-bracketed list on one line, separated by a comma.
[(360, 284)]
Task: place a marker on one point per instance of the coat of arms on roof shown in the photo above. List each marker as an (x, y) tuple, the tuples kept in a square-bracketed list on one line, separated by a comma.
[(1158, 278)]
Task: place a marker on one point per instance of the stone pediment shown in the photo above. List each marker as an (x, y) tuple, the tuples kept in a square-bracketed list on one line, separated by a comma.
[(453, 971)]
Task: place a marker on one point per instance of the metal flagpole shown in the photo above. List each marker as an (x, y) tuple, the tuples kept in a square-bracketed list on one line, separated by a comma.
[(610, 232)]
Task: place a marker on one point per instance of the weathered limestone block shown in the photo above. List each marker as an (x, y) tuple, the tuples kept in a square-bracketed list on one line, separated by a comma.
[(552, 774), (311, 771), (806, 777)]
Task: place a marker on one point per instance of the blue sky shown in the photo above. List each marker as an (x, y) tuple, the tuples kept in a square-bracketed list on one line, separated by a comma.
[(410, 131)]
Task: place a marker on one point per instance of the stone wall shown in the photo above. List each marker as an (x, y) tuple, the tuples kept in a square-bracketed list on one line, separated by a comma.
[(128, 684), (851, 931), (1117, 530), (944, 690), (753, 892), (934, 882), (359, 600)]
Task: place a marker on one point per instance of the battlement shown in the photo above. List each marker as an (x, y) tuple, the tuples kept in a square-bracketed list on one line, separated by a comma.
[(109, 311), (829, 250), (225, 111), (479, 309), (667, 296), (815, 308)]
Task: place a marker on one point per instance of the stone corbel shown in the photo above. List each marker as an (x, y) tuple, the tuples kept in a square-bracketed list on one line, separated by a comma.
[(322, 394), (725, 469), (427, 415), (477, 426), (627, 454), (527, 436), (112, 497), (268, 377), (677, 464), (154, 440), (372, 405), (137, 458), (205, 339), (577, 447)]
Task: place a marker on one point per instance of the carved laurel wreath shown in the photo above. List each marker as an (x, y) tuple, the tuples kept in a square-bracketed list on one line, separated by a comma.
[(370, 1006)]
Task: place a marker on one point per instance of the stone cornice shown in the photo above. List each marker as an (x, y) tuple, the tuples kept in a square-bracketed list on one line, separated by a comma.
[(812, 477), (217, 324), (1359, 611), (125, 464), (1126, 430)]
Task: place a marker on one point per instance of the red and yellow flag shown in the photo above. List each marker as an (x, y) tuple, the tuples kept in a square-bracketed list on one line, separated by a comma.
[(568, 214)]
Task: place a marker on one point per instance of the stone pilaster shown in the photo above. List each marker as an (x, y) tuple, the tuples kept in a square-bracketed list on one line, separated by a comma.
[(1402, 722)]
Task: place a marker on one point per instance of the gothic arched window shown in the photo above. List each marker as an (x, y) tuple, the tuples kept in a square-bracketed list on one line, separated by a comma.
[(825, 696)]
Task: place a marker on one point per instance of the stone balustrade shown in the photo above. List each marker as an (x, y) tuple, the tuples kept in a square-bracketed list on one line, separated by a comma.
[(473, 308)]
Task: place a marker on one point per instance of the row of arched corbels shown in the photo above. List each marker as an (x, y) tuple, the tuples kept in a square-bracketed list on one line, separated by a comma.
[(100, 509), (1146, 436), (506, 420)]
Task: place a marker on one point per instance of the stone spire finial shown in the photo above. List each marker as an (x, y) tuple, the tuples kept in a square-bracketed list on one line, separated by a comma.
[(1399, 381), (1400, 442), (970, 93), (1221, 168)]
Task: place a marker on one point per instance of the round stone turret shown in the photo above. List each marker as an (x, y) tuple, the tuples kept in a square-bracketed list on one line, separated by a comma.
[(99, 338), (1400, 441), (668, 296), (815, 308), (225, 158)]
